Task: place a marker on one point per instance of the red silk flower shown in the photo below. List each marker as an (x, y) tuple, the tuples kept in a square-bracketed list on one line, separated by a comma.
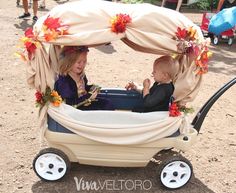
[(29, 33), (52, 23), (39, 97), (181, 33), (119, 22), (53, 28), (49, 96), (30, 47), (30, 43), (174, 110)]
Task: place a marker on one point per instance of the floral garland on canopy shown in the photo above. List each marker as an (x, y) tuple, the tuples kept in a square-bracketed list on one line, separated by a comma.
[(189, 44), (52, 29), (30, 44), (50, 96)]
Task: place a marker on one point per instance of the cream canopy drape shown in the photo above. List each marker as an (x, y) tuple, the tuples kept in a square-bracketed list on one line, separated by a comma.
[(152, 30), (119, 128)]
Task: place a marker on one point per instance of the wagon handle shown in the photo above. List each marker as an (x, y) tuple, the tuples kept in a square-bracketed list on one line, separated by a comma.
[(199, 118)]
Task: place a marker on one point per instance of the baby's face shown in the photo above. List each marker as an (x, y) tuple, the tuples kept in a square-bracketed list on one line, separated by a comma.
[(79, 65), (158, 74)]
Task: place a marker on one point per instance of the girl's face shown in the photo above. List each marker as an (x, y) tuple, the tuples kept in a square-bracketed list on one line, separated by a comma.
[(80, 63), (158, 74)]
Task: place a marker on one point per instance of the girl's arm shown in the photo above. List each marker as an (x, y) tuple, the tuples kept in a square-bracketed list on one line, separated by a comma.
[(74, 100), (68, 91)]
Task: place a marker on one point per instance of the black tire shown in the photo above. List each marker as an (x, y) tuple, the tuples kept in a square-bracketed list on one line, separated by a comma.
[(203, 33), (167, 163), (211, 36), (61, 156)]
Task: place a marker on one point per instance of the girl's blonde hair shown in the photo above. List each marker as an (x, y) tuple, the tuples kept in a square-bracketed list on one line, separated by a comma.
[(69, 56), (168, 65)]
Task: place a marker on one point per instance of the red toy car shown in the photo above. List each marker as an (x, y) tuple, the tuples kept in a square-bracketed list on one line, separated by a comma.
[(226, 35)]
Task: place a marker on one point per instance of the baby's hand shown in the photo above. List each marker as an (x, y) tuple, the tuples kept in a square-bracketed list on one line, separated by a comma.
[(146, 83), (131, 86)]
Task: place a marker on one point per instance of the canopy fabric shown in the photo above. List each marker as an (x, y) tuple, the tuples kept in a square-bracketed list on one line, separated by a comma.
[(120, 128), (152, 30), (40, 72), (152, 27)]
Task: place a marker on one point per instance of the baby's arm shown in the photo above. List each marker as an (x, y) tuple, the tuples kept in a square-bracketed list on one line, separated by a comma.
[(156, 98), (146, 87)]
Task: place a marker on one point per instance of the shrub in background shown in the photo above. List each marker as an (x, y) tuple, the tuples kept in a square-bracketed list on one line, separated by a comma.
[(206, 4), (200, 5)]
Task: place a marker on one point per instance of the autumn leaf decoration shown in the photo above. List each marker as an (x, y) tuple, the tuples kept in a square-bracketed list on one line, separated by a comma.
[(119, 23), (186, 39), (188, 44), (53, 28), (174, 110), (203, 54), (30, 44), (49, 96)]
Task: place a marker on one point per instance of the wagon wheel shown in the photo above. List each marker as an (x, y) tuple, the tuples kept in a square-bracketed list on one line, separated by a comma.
[(51, 164), (230, 41), (175, 172), (215, 40), (211, 35), (17, 2)]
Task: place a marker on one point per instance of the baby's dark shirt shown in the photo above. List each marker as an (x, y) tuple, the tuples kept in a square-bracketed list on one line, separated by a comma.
[(158, 98)]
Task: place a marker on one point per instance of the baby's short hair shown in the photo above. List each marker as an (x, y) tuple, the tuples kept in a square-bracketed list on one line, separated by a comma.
[(167, 64)]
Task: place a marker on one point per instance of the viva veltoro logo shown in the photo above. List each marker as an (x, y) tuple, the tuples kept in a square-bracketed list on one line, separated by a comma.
[(130, 184)]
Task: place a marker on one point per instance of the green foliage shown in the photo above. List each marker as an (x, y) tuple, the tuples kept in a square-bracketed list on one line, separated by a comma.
[(201, 5), (207, 4), (204, 4), (187, 110)]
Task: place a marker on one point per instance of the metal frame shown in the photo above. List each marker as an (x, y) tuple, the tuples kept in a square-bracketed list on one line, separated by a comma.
[(199, 118)]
